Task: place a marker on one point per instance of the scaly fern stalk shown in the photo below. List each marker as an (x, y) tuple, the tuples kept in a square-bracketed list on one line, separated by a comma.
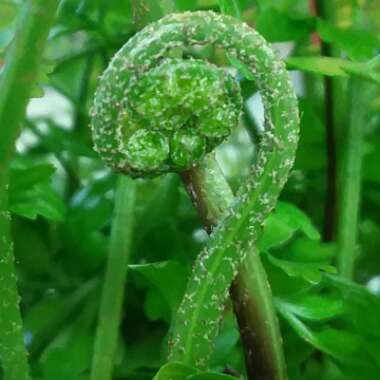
[(200, 311), (16, 81), (250, 291), (154, 114), (114, 280)]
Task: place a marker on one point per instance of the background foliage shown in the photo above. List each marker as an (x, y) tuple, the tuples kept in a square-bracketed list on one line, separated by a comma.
[(62, 196)]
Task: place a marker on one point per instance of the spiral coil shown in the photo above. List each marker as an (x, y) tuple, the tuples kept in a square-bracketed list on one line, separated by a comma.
[(154, 113)]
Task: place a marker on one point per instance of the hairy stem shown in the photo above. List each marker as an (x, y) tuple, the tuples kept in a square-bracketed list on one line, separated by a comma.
[(16, 82), (350, 174), (250, 292), (12, 350), (114, 280)]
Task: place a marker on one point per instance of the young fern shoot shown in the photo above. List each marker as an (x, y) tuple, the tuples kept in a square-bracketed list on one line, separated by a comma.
[(154, 114)]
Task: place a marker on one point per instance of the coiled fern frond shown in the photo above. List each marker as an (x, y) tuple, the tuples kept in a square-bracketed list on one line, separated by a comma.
[(159, 108)]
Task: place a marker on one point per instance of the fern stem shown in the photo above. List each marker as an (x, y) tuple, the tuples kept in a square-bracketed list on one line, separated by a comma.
[(350, 174), (348, 182), (258, 321), (16, 82), (250, 292), (326, 10), (114, 280)]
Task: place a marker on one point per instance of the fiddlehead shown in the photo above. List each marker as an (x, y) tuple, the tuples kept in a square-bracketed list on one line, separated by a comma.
[(149, 117), (156, 114)]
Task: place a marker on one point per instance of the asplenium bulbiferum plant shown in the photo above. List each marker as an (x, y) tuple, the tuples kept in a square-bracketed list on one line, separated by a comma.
[(159, 109)]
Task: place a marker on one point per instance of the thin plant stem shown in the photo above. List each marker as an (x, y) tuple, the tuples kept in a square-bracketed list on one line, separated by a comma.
[(350, 174), (119, 251), (114, 280), (342, 216), (16, 82), (258, 321), (250, 291), (325, 9)]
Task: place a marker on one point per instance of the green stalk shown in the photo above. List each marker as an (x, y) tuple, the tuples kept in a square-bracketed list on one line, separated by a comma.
[(16, 82), (250, 291), (350, 174), (347, 188), (13, 354), (118, 259), (114, 280), (326, 10)]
